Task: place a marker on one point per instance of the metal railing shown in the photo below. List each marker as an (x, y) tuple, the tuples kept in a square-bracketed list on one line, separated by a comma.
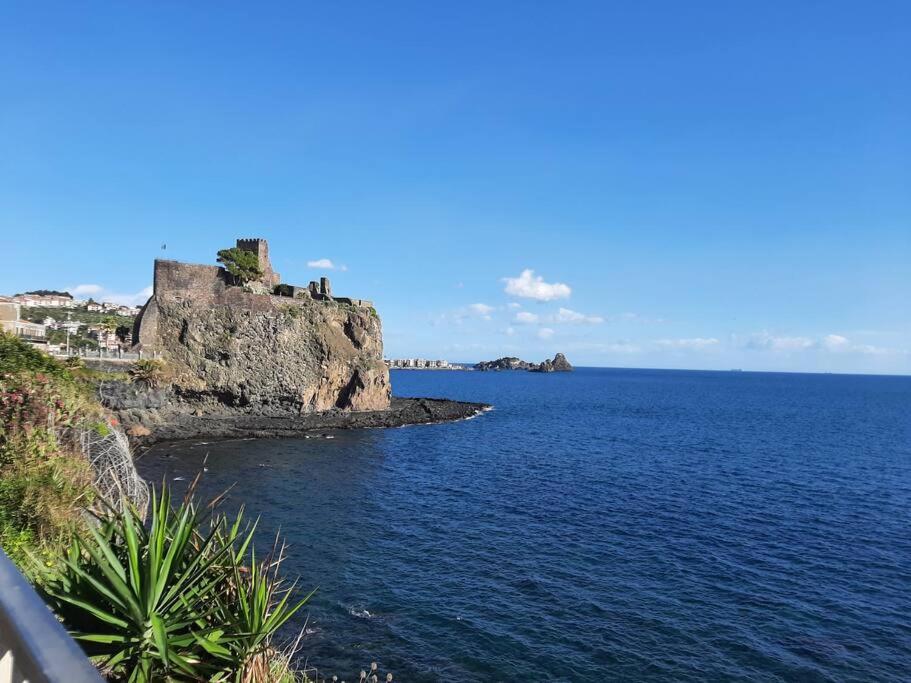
[(105, 354), (34, 647)]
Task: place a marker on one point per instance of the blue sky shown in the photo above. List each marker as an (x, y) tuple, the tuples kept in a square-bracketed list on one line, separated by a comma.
[(715, 185)]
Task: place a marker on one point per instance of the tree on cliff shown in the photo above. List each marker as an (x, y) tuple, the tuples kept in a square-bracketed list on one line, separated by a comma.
[(243, 265)]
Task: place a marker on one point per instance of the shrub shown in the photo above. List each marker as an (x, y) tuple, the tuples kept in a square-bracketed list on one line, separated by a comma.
[(242, 265), (147, 372), (74, 363), (172, 600), (18, 356), (45, 481)]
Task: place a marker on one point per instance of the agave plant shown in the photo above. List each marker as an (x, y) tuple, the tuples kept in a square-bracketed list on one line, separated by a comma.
[(74, 363), (171, 601), (259, 603), (147, 372)]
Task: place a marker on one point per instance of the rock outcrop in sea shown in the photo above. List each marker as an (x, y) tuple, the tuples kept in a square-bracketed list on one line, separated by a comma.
[(558, 364), (301, 352), (262, 359)]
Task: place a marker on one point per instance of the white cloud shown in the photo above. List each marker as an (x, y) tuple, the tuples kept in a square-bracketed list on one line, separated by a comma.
[(835, 342), (528, 286), (509, 331), (459, 315), (620, 347), (870, 350), (514, 305), (482, 310), (86, 290), (526, 318), (102, 294), (695, 343), (545, 333), (565, 315), (325, 264), (768, 342), (839, 344)]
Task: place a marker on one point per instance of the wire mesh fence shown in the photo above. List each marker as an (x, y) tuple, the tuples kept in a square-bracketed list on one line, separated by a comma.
[(114, 474)]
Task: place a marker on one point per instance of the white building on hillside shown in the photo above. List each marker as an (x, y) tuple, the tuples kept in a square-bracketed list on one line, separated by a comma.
[(45, 300), (11, 321)]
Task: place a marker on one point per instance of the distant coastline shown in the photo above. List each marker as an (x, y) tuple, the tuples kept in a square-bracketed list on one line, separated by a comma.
[(423, 364)]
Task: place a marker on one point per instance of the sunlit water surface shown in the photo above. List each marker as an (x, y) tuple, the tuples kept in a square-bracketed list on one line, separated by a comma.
[(599, 525)]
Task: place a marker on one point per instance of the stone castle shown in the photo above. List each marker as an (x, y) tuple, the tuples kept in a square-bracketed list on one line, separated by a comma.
[(261, 248), (264, 343), (174, 279)]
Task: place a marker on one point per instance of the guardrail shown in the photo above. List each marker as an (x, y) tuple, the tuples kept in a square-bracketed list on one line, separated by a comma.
[(104, 354), (34, 647)]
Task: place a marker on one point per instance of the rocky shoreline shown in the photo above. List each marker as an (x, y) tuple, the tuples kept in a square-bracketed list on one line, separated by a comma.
[(151, 417)]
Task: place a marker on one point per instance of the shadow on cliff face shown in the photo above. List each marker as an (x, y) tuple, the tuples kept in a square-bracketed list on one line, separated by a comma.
[(354, 386)]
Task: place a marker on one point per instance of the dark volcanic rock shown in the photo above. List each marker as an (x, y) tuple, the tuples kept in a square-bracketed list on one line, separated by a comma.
[(558, 364), (505, 363), (168, 416)]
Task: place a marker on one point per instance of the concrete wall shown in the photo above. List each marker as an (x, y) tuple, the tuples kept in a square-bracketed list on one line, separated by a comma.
[(9, 312)]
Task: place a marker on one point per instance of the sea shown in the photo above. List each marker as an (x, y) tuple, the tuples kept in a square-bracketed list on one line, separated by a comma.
[(599, 525)]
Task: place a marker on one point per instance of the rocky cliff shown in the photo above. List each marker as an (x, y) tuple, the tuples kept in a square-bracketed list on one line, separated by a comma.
[(227, 347)]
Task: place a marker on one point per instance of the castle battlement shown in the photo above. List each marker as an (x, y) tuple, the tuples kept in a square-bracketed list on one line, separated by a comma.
[(260, 247), (190, 281)]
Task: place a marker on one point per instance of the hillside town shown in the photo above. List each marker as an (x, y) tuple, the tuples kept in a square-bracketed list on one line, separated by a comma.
[(63, 325)]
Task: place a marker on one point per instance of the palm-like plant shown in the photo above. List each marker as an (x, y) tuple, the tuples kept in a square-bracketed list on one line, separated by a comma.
[(170, 601), (148, 372), (260, 604)]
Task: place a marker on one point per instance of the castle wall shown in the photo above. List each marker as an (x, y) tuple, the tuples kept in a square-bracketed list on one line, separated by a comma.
[(186, 281)]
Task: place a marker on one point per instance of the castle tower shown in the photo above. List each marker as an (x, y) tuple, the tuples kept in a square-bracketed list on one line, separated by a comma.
[(260, 247)]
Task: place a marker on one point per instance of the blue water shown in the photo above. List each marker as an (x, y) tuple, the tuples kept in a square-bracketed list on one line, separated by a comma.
[(600, 525)]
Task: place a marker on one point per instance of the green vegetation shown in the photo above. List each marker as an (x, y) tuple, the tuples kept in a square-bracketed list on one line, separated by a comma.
[(45, 481), (37, 314), (243, 265), (292, 311), (79, 339), (182, 597), (47, 292), (17, 356), (74, 363), (148, 373), (173, 600)]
